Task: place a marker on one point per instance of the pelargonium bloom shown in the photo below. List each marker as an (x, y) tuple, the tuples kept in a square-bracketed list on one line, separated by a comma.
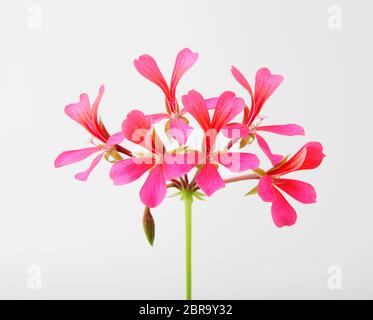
[(228, 106), (214, 116), (309, 156), (265, 84), (87, 116), (161, 164), (177, 125)]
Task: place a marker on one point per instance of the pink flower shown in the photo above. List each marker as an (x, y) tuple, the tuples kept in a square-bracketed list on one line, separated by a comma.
[(161, 164), (265, 85), (87, 116), (177, 125), (309, 156), (227, 107)]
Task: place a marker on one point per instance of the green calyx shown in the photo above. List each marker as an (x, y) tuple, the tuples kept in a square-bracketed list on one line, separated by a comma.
[(187, 194)]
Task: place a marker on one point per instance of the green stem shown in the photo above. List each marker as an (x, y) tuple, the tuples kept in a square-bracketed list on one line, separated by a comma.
[(188, 199)]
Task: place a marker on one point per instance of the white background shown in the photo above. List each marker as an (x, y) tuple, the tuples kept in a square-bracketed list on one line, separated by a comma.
[(87, 238)]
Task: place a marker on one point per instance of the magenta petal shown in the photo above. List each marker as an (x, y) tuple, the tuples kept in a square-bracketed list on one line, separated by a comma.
[(314, 156), (184, 61), (235, 130), (209, 179), (242, 80), (128, 170), (195, 105), (274, 158), (116, 138), (158, 117), (238, 161), (283, 214), (96, 103), (266, 189), (73, 156), (148, 68), (265, 84), (211, 103), (137, 127), (83, 176), (180, 130), (176, 165), (291, 165), (154, 189), (80, 111), (227, 107), (299, 190), (285, 129)]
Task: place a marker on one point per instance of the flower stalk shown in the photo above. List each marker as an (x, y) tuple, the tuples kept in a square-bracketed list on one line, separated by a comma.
[(188, 200)]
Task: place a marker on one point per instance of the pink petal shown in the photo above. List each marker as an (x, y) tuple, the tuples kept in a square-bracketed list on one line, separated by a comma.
[(238, 161), (314, 156), (283, 214), (242, 80), (73, 156), (211, 103), (158, 117), (184, 61), (266, 189), (209, 179), (187, 159), (196, 106), (285, 129), (96, 103), (128, 170), (299, 190), (80, 111), (180, 130), (116, 138), (176, 165), (137, 127), (274, 158), (227, 107), (265, 85), (148, 68), (291, 165), (83, 176), (154, 189), (235, 131)]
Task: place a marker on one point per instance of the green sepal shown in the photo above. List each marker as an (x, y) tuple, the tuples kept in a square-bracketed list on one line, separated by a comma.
[(260, 172), (252, 192), (199, 195), (247, 140), (174, 195)]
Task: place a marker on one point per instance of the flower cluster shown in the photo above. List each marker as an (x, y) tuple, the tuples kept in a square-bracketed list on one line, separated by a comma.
[(216, 118)]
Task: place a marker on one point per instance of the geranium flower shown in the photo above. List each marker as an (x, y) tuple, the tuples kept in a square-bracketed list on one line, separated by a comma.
[(265, 85), (87, 116), (161, 164), (309, 156), (227, 107), (177, 125)]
